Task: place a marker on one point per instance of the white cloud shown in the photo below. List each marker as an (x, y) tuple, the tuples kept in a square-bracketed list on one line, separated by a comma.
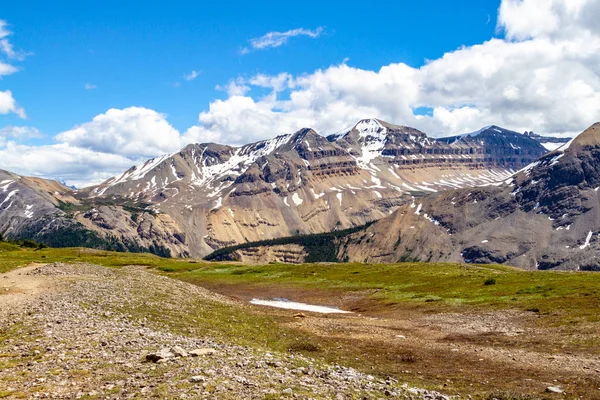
[(89, 86), (191, 76), (6, 46), (524, 19), (276, 39), (9, 105), (74, 165), (7, 101), (131, 132), (7, 69), (19, 132)]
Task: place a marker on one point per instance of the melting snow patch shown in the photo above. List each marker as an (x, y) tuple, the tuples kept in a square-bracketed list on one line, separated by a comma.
[(587, 240), (219, 203), (339, 196), (317, 196), (418, 212), (6, 184), (11, 194), (484, 241), (28, 213), (551, 146), (292, 305), (297, 199), (412, 189)]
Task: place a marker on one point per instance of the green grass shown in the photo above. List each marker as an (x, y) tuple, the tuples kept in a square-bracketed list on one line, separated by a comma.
[(576, 295), (12, 256)]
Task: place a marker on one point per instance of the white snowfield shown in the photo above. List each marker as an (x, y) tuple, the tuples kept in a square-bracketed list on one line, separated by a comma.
[(292, 305)]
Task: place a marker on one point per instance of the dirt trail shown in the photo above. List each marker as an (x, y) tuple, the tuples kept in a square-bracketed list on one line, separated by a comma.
[(17, 286)]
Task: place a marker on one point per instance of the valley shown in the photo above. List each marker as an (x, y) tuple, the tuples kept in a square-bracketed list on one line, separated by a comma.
[(434, 326)]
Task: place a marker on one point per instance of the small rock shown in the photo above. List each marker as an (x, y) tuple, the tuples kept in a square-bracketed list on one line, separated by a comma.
[(179, 351), (197, 379), (202, 352), (554, 389)]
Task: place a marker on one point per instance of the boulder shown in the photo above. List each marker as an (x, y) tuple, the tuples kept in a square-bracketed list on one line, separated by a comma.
[(202, 352), (162, 354)]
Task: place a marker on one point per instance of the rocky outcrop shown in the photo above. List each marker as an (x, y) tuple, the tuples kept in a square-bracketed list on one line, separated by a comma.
[(290, 253)]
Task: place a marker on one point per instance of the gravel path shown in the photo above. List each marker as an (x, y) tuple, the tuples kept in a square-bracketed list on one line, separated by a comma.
[(68, 331)]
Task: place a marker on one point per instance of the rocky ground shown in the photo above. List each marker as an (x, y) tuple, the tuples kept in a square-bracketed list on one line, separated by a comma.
[(85, 331)]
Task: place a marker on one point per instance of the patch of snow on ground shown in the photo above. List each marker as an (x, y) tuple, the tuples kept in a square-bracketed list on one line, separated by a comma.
[(219, 203), (6, 184), (339, 196), (587, 240), (292, 305), (551, 146), (28, 213), (317, 196), (11, 194), (297, 199)]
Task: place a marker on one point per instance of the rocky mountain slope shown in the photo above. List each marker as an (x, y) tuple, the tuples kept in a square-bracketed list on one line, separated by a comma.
[(207, 196), (545, 216)]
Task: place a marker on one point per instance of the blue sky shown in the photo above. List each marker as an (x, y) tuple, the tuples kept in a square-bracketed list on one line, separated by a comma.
[(135, 53), (87, 90)]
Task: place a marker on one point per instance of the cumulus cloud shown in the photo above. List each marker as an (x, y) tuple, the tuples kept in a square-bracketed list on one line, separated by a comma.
[(89, 86), (9, 105), (94, 151), (7, 52), (73, 165), (132, 132), (524, 19), (276, 39)]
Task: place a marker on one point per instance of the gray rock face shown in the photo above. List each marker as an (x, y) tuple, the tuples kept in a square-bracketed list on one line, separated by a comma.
[(546, 216), (208, 196)]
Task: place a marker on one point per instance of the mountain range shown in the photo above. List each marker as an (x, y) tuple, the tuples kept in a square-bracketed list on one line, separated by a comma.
[(208, 196), (545, 216)]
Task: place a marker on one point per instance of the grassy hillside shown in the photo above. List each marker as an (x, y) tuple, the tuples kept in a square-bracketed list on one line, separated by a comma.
[(12, 256)]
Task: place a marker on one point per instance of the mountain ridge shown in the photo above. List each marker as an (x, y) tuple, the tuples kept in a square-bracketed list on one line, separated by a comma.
[(546, 216), (208, 196)]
